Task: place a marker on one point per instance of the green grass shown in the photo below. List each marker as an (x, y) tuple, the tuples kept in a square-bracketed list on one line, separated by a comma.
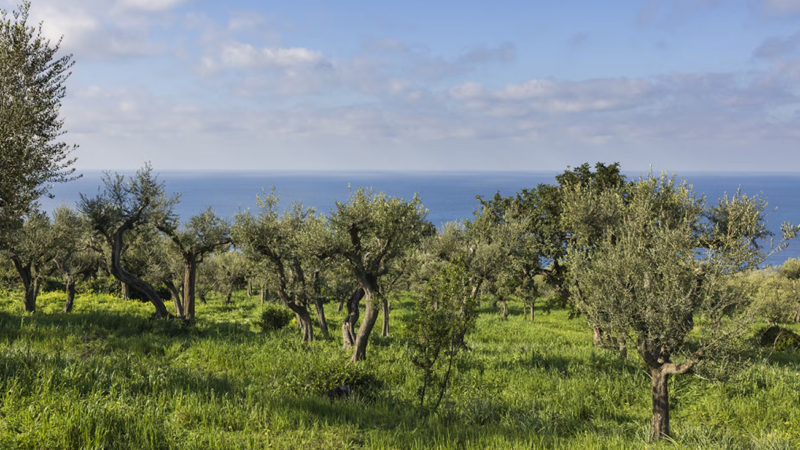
[(105, 376)]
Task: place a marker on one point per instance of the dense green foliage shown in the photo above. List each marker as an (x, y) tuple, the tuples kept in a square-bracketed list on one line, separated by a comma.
[(32, 79), (105, 376)]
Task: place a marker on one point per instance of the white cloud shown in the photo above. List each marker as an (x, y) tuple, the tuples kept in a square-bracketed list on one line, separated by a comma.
[(240, 55), (100, 29), (554, 97)]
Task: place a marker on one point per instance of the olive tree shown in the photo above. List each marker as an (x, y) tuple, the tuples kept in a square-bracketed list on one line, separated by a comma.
[(660, 275), (125, 205), (369, 232), (30, 249), (280, 241), (73, 252), (203, 234), (232, 269), (32, 78)]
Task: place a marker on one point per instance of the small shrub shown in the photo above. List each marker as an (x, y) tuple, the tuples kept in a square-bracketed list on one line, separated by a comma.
[(780, 338), (274, 318)]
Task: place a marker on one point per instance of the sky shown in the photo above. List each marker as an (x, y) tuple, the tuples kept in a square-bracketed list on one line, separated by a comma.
[(459, 85)]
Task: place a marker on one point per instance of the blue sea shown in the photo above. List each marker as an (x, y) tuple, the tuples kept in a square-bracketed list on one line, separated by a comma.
[(448, 195)]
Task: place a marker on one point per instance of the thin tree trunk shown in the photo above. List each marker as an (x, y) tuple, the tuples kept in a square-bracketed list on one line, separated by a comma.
[(323, 323), (532, 315), (320, 308), (70, 294), (385, 310), (263, 293), (201, 295), (176, 297), (126, 291), (623, 347), (504, 313), (660, 428), (249, 288), (339, 306), (189, 284), (69, 282)]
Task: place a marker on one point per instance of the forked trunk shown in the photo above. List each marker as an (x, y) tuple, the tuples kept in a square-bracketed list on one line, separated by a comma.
[(385, 310), (70, 294), (660, 428), (349, 324)]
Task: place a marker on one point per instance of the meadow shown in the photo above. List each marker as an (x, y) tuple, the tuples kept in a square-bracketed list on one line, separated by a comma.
[(107, 377)]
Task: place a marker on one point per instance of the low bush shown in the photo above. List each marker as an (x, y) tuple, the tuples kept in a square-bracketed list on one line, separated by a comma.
[(274, 317)]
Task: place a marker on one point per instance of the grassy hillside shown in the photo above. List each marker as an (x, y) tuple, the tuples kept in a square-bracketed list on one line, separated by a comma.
[(105, 376)]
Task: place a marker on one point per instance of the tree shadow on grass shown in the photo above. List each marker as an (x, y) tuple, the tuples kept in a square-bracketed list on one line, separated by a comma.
[(471, 422), (93, 325)]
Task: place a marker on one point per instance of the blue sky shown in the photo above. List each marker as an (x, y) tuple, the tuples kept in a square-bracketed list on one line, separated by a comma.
[(683, 85)]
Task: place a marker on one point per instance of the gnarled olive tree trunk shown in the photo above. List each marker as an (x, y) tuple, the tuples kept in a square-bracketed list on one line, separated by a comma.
[(349, 324), (70, 282), (371, 293), (119, 272), (660, 428), (29, 282)]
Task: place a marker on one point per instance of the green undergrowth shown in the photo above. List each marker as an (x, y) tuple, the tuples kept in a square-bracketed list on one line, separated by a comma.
[(107, 377)]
